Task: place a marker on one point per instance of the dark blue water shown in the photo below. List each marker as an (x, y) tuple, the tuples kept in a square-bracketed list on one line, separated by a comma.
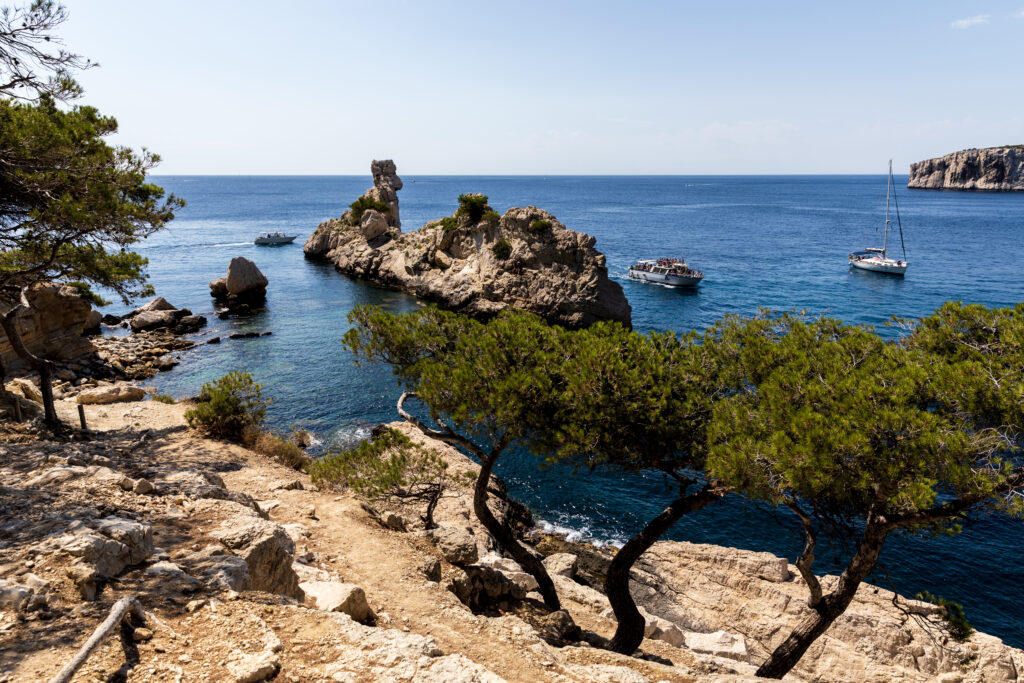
[(779, 242)]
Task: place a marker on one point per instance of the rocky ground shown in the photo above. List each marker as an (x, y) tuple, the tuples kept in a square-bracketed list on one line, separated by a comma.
[(248, 573)]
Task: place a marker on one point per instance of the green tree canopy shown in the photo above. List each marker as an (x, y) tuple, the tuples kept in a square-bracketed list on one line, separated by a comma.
[(858, 437)]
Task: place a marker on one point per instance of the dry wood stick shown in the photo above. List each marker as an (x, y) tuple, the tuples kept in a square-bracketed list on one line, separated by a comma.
[(121, 608)]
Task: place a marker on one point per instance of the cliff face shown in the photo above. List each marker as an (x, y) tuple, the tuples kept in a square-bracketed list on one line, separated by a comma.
[(995, 168), (526, 259)]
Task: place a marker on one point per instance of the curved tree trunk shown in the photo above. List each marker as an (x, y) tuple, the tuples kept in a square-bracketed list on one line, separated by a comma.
[(527, 560), (831, 607), (40, 365), (629, 632)]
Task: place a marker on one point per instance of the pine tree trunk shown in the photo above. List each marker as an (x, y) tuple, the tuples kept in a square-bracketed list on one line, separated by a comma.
[(40, 365), (527, 560), (787, 655), (629, 632)]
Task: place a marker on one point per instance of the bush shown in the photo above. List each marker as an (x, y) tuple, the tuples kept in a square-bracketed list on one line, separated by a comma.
[(389, 466), (289, 452), (538, 226), (448, 223), (491, 217), (163, 398), (952, 613), (229, 405), (360, 206), (501, 249), (85, 291), (473, 206)]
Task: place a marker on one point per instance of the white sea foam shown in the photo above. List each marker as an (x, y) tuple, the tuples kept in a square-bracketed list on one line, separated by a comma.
[(579, 535)]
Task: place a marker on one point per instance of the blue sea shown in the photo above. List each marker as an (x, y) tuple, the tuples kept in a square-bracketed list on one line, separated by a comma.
[(762, 241)]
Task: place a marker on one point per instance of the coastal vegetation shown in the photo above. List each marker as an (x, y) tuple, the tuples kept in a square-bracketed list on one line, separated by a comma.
[(855, 436), (491, 217), (539, 225), (472, 206), (502, 249), (71, 205), (363, 204), (391, 466), (228, 406)]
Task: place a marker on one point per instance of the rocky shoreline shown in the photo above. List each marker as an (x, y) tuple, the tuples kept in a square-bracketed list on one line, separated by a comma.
[(475, 261), (996, 169)]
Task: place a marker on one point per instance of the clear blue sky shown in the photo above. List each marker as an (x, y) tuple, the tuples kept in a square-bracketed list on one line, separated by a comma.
[(553, 87)]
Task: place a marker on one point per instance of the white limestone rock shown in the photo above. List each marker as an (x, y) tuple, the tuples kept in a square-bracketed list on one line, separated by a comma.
[(334, 596)]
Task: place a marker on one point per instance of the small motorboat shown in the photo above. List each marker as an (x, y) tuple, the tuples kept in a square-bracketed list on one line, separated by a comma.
[(666, 271), (274, 238), (875, 259)]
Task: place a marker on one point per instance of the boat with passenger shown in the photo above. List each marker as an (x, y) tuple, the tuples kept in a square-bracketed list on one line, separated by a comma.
[(876, 259), (274, 238), (666, 271)]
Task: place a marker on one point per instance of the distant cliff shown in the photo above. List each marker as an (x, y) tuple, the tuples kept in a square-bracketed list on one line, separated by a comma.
[(475, 261), (994, 168)]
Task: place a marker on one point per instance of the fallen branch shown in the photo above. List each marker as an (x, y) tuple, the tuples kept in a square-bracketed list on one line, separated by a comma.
[(121, 609)]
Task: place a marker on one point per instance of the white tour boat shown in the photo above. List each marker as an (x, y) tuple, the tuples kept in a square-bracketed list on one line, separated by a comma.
[(666, 271), (274, 238), (875, 258)]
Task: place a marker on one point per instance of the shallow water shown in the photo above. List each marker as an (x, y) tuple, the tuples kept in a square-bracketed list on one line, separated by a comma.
[(773, 241)]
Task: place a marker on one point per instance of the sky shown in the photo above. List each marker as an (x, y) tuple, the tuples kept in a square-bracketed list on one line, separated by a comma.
[(552, 87)]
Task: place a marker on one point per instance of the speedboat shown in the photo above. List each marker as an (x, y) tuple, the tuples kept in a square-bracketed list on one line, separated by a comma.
[(666, 271), (274, 238), (876, 259)]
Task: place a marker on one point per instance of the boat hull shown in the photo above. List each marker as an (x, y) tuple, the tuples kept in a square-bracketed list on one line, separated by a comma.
[(885, 266), (665, 278), (272, 241)]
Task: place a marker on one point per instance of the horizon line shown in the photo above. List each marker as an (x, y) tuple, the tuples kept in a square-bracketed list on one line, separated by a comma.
[(517, 175)]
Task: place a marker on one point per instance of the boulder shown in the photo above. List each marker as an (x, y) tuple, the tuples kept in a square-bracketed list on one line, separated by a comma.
[(244, 277), (217, 569), (561, 564), (266, 548), (157, 304), (373, 224), (480, 588), (456, 543), (113, 393), (51, 326), (255, 668), (431, 569), (26, 388), (153, 320), (333, 596), (92, 323), (114, 544), (189, 324)]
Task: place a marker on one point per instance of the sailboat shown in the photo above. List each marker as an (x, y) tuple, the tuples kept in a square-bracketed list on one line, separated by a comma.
[(875, 259)]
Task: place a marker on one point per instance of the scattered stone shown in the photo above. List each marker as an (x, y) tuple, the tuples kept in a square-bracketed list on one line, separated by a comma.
[(84, 579), (332, 596), (116, 393), (255, 668), (431, 568), (266, 548), (480, 588), (456, 543), (719, 644), (292, 485), (143, 486), (213, 340), (142, 634), (557, 626)]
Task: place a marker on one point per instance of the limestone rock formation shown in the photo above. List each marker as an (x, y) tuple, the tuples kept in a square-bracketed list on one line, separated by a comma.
[(479, 263), (52, 326), (243, 290), (160, 314), (994, 168)]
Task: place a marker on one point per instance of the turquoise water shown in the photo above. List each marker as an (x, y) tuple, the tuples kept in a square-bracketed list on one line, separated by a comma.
[(775, 241)]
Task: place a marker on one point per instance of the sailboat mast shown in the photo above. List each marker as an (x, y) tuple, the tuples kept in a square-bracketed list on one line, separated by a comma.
[(888, 187)]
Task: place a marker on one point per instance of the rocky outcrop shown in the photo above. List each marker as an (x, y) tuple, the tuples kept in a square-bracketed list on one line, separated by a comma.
[(479, 263), (243, 290), (994, 168), (52, 326), (160, 314)]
